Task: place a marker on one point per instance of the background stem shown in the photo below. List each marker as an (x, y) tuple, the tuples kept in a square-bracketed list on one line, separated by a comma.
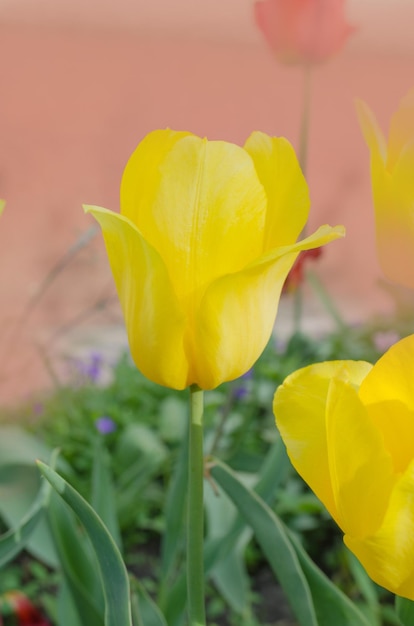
[(195, 512), (303, 158)]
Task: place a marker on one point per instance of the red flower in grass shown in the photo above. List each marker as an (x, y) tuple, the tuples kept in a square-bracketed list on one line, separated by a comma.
[(17, 610), (295, 276)]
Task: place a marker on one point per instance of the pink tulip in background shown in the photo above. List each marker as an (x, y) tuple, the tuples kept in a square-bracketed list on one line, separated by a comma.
[(303, 31)]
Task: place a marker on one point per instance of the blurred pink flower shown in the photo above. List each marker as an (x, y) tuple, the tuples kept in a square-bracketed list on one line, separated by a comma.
[(303, 31)]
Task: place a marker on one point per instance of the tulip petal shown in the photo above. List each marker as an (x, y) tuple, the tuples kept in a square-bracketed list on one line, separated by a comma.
[(387, 393), (395, 234), (373, 135), (300, 410), (285, 186), (2, 205), (360, 469), (401, 129), (143, 173), (393, 193), (388, 554), (207, 211), (236, 316), (154, 322)]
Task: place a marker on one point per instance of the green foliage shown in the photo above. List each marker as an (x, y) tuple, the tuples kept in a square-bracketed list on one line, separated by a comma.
[(122, 447)]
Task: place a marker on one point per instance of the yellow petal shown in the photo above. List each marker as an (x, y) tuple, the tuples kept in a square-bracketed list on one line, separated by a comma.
[(300, 411), (237, 313), (401, 129), (360, 469), (142, 174), (387, 393), (393, 189), (154, 322), (372, 133), (206, 212), (395, 230), (2, 205), (388, 554), (286, 189)]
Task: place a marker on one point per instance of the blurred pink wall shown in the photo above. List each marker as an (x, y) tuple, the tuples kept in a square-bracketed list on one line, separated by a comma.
[(81, 86)]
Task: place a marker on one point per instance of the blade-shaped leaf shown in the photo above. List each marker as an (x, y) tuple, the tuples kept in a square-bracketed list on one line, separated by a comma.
[(13, 541), (271, 473), (310, 593), (332, 606), (144, 610), (274, 542), (112, 569), (82, 587), (103, 495), (405, 611), (175, 510)]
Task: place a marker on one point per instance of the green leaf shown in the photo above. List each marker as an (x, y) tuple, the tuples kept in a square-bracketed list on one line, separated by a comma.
[(145, 611), (138, 457), (405, 611), (229, 573), (112, 569), (367, 588), (67, 615), (332, 606), (311, 594), (81, 587), (271, 473), (103, 495), (19, 482), (272, 538), (12, 542), (174, 511)]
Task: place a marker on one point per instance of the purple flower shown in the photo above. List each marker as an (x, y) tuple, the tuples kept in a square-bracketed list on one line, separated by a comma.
[(38, 408), (242, 390), (91, 367), (105, 425)]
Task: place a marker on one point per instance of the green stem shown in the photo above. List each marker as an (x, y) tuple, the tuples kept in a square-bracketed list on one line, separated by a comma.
[(195, 512), (326, 300), (304, 124), (303, 159)]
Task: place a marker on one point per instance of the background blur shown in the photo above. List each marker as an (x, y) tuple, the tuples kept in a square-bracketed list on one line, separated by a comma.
[(83, 82)]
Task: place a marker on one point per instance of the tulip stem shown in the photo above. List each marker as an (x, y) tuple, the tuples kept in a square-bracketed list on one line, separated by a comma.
[(303, 160), (304, 124), (195, 512)]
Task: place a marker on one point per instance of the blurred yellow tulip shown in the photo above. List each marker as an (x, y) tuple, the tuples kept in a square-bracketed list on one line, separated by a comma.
[(2, 205), (348, 428), (199, 253), (392, 173)]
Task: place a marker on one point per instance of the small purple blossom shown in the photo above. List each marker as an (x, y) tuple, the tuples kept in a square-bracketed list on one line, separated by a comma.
[(90, 368), (242, 390), (105, 425), (38, 408)]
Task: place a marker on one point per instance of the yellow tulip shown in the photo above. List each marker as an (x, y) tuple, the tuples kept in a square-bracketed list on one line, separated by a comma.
[(348, 427), (199, 253), (2, 205), (392, 173)]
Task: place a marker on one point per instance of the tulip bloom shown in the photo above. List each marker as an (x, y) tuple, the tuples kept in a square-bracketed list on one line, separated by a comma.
[(199, 253), (392, 174), (303, 31), (348, 427)]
